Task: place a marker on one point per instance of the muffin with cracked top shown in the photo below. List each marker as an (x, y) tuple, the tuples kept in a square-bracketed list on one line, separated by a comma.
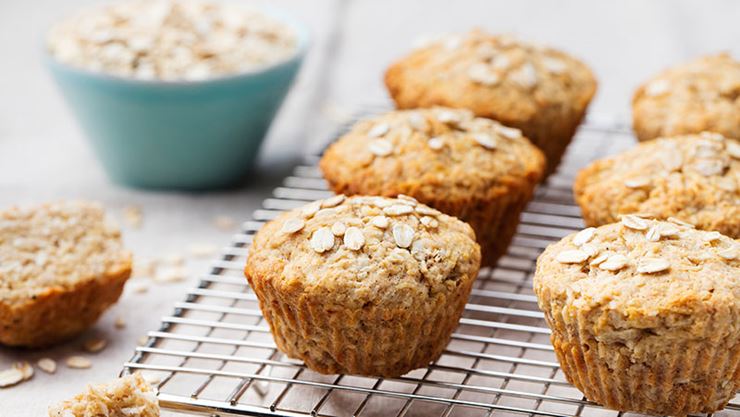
[(540, 90), (701, 95), (695, 178), (469, 167), (645, 315), (363, 285)]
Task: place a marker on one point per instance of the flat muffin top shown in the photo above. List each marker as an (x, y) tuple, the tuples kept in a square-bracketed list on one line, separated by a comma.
[(432, 152), (702, 95), (695, 178), (56, 245), (359, 250), (495, 76), (642, 269)]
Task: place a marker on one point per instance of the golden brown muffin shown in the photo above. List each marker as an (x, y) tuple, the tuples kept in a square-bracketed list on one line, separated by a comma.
[(539, 90), (645, 315), (128, 396), (702, 95), (61, 266), (695, 178), (363, 285), (471, 168)]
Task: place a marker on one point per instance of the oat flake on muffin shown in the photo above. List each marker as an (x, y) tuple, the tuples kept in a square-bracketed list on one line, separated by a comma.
[(645, 315), (472, 168), (701, 95), (170, 39), (379, 295), (695, 178), (540, 90)]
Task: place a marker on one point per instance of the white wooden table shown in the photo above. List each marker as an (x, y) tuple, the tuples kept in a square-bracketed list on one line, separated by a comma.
[(43, 155)]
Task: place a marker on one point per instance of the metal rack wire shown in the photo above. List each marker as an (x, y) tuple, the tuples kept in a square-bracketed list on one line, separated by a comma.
[(214, 355)]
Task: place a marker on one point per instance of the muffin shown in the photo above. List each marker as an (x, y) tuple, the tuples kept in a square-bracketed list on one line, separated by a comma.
[(61, 266), (471, 168), (695, 178), (363, 285), (702, 95), (130, 395), (539, 90), (645, 315)]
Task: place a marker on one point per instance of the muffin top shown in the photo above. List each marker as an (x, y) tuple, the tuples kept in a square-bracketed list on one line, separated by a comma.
[(641, 269), (56, 245), (432, 152), (695, 178), (702, 95), (495, 76), (359, 250)]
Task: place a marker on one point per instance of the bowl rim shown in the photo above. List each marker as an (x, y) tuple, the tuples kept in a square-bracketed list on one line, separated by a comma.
[(299, 29)]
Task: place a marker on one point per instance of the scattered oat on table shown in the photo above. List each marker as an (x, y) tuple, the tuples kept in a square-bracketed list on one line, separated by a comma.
[(171, 274), (47, 365), (120, 323), (78, 362), (202, 250), (10, 377), (95, 345), (143, 340), (133, 216), (224, 223)]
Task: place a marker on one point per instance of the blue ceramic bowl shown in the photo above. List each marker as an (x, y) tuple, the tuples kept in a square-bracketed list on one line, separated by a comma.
[(179, 135)]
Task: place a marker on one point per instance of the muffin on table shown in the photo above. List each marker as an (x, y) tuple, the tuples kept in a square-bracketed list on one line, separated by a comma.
[(645, 315), (61, 266), (363, 285), (695, 178), (472, 168), (540, 90), (698, 96)]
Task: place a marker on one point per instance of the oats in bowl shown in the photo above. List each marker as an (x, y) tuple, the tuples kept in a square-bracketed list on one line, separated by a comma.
[(171, 40)]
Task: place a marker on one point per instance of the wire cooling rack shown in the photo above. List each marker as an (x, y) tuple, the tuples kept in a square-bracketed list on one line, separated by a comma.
[(214, 355)]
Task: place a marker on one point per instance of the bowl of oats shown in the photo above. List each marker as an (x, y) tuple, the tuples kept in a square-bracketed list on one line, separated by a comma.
[(176, 94)]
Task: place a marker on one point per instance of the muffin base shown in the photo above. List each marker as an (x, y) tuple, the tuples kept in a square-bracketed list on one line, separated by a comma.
[(59, 314), (371, 340), (691, 376)]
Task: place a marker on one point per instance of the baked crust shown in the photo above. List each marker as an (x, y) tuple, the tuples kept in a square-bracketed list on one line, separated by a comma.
[(378, 309), (695, 178), (701, 95), (485, 182), (645, 315), (63, 266), (539, 90)]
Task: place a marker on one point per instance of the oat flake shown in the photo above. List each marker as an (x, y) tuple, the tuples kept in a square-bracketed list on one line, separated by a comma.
[(47, 365), (614, 263), (403, 234), (584, 236), (380, 222), (353, 238), (572, 256), (652, 265), (78, 362), (291, 226), (322, 240), (380, 147), (633, 222), (398, 210)]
